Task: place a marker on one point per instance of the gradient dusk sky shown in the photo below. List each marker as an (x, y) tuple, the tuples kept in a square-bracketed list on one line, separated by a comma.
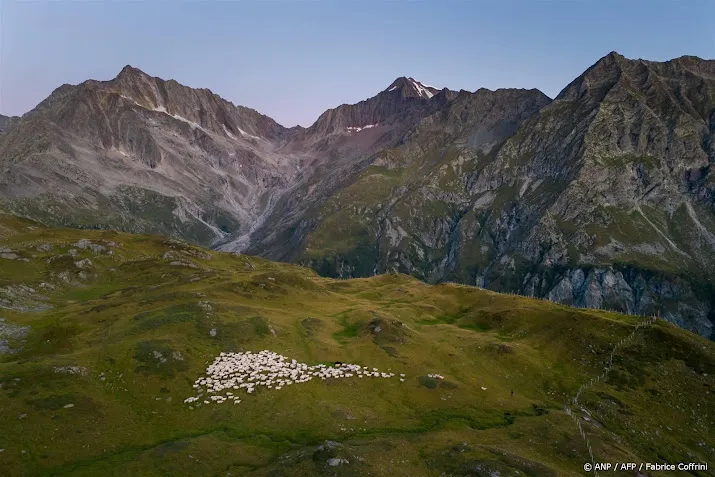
[(292, 60)]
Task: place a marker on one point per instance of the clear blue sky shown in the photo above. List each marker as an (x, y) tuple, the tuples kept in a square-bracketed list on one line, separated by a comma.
[(292, 60)]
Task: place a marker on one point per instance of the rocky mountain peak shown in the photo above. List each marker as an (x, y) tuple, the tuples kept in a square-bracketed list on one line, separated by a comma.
[(130, 71), (597, 80), (411, 88)]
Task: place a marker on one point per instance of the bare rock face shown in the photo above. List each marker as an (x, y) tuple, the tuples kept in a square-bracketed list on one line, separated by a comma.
[(139, 153), (6, 122)]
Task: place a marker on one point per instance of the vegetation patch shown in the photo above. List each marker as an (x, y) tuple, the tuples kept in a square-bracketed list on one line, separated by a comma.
[(311, 326), (157, 357), (428, 382)]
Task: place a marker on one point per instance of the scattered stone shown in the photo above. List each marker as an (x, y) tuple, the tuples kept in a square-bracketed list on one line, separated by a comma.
[(72, 251), (11, 333), (67, 406), (78, 370), (329, 445), (83, 264), (44, 247), (183, 263), (82, 243), (160, 357), (196, 253), (212, 333), (9, 255), (22, 416), (334, 462)]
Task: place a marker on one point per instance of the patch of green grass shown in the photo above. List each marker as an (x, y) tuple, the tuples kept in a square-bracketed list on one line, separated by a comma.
[(157, 357), (428, 382)]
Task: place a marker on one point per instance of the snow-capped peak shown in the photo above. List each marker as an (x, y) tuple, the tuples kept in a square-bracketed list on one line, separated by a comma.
[(410, 87)]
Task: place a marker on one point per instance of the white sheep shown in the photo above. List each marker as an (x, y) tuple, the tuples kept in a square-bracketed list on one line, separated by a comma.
[(235, 371)]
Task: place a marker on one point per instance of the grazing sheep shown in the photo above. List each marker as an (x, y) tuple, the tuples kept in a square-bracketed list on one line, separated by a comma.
[(271, 370)]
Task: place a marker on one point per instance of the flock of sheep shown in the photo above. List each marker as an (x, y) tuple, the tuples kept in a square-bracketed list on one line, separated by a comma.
[(233, 372)]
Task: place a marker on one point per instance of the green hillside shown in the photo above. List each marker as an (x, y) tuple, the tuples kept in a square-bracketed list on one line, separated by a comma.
[(104, 334)]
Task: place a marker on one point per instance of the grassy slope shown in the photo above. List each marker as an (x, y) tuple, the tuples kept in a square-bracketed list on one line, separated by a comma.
[(128, 416)]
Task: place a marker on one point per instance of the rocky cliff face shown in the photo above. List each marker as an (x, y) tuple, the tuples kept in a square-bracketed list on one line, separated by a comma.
[(601, 198)]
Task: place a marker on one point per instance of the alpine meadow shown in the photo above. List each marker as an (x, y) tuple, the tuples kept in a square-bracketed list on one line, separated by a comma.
[(427, 282)]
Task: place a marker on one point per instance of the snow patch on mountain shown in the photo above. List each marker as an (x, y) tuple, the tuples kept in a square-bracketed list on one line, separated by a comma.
[(187, 121), (358, 129), (421, 90), (246, 134), (228, 133)]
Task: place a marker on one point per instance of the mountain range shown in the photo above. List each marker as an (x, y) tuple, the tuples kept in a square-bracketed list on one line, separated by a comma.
[(603, 197)]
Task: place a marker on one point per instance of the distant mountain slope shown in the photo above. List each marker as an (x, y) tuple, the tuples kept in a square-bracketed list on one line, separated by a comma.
[(142, 154), (420, 128), (602, 198), (103, 336), (605, 198), (6, 122), (139, 153)]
